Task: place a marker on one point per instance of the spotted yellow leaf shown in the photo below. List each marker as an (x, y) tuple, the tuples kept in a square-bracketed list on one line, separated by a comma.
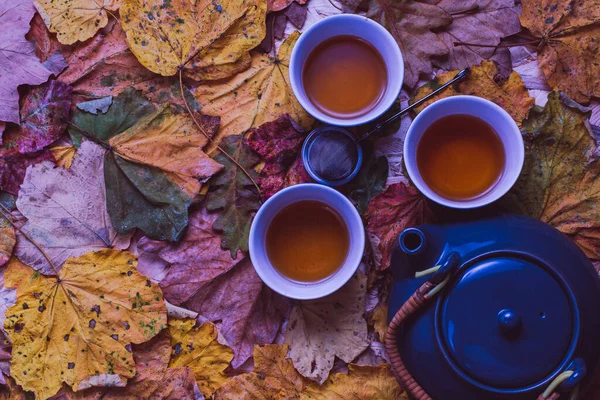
[(75, 20), (210, 39), (198, 349), (260, 94), (81, 323), (64, 155)]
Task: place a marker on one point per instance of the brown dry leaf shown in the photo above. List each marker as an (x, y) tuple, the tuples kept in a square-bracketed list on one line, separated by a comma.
[(260, 94), (568, 52), (273, 377), (389, 213), (198, 349), (319, 330), (8, 240), (483, 81), (80, 323), (560, 182), (278, 5), (195, 260), (380, 320), (412, 23), (64, 155), (245, 311), (76, 20), (210, 40), (153, 379), (361, 383)]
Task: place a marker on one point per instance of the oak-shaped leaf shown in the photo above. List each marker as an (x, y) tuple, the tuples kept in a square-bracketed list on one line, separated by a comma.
[(153, 378), (360, 383), (257, 95), (18, 62), (75, 20), (483, 81), (66, 211), (389, 213), (44, 116), (194, 261), (333, 326), (82, 322), (245, 311), (232, 193), (279, 142), (568, 52), (197, 348), (273, 377), (208, 40), (560, 182)]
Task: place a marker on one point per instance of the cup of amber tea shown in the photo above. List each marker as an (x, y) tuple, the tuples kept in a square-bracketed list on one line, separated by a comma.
[(306, 241), (464, 152), (346, 70)]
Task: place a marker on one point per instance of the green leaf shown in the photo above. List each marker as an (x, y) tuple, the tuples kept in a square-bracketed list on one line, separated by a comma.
[(233, 192), (369, 182), (126, 109), (142, 196)]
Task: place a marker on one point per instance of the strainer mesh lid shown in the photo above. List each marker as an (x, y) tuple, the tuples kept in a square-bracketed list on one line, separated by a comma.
[(332, 155)]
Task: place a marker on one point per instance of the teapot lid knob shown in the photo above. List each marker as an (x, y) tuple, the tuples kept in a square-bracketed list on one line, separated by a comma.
[(509, 322)]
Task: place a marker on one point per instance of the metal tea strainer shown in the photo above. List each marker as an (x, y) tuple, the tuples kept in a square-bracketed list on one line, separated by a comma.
[(332, 155)]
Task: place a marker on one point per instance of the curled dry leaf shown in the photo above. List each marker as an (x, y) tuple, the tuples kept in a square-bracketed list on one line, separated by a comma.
[(231, 191), (319, 330), (153, 379), (478, 22), (273, 377), (412, 24), (361, 383), (198, 349), (389, 213), (64, 155), (44, 116), (209, 40), (483, 81), (82, 322), (195, 260), (13, 166), (260, 94), (568, 52), (244, 309), (18, 62), (279, 142), (65, 223), (75, 20), (560, 182)]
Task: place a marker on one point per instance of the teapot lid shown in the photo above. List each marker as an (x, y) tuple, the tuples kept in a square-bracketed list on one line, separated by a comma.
[(508, 322)]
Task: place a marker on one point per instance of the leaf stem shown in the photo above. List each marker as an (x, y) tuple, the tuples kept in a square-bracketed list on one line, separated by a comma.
[(6, 215), (91, 137), (456, 44), (209, 138)]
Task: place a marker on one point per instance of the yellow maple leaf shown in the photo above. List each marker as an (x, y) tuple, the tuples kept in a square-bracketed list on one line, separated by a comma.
[(64, 155), (74, 20), (361, 383), (274, 376), (260, 94), (81, 323), (198, 349), (209, 39), (172, 143), (512, 95)]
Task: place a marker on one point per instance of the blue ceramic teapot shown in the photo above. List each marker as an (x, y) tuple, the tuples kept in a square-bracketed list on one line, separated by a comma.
[(510, 311)]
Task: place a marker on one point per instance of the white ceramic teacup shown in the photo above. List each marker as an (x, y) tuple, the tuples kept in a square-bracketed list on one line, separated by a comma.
[(364, 28), (306, 290), (496, 117)]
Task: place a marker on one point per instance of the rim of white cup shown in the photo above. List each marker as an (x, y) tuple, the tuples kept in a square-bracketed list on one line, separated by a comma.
[(395, 72), (306, 290), (471, 106)]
